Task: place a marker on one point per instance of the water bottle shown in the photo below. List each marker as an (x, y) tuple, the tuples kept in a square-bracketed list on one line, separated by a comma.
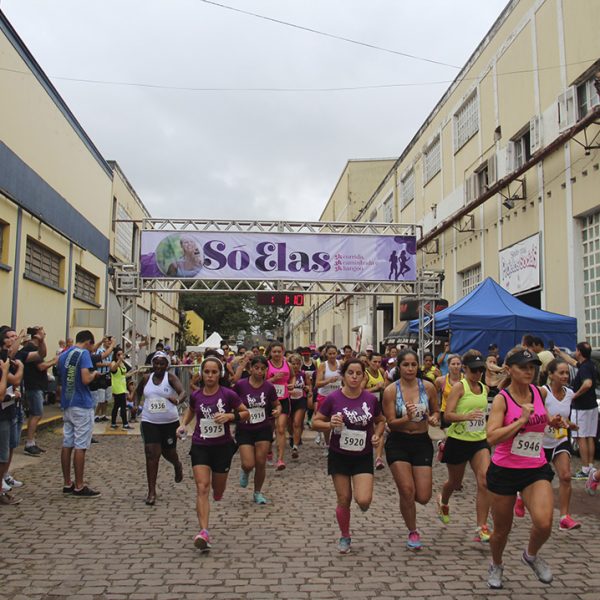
[(182, 436), (338, 430)]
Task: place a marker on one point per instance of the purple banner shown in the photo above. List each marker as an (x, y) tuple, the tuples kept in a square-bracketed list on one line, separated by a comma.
[(277, 256)]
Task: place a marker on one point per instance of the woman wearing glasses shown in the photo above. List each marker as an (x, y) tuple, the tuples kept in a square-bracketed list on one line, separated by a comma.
[(465, 411)]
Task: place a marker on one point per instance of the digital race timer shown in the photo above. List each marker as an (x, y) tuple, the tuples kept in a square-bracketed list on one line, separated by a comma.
[(279, 299)]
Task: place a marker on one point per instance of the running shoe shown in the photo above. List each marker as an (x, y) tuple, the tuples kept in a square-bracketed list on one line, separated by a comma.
[(127, 426), (539, 566), (259, 498), (482, 534), (414, 541), (270, 459), (443, 511), (581, 475), (6, 487), (291, 441), (344, 545), (104, 418), (318, 438), (202, 541), (32, 451), (243, 479), (519, 507), (68, 489), (591, 485), (85, 492), (113, 426), (295, 453), (440, 450), (495, 576), (9, 500), (280, 466), (325, 452), (567, 522), (379, 464), (14, 483)]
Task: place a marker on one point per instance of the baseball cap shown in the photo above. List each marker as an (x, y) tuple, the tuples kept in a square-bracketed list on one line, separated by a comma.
[(305, 351), (474, 362), (370, 347), (522, 357)]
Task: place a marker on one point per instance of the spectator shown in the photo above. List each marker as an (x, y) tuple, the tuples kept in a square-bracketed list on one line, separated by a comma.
[(160, 347), (101, 386), (35, 380), (75, 371), (442, 359)]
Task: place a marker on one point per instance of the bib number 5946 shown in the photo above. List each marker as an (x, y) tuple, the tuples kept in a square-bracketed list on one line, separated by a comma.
[(528, 445)]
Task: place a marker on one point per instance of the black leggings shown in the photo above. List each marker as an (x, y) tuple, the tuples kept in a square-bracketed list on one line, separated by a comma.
[(120, 403)]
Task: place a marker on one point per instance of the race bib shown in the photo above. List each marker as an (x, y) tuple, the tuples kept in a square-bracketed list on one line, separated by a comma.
[(157, 405), (257, 415), (557, 434), (297, 393), (210, 429), (353, 440), (331, 387), (475, 425), (280, 390), (419, 414), (528, 444)]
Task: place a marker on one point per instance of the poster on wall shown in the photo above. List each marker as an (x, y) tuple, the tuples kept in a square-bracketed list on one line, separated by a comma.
[(520, 265), (277, 256)]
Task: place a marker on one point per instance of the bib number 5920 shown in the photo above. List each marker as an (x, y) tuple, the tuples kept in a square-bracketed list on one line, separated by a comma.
[(352, 440)]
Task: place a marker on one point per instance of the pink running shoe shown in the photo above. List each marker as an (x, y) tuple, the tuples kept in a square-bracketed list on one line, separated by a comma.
[(414, 541), (567, 523), (202, 541), (280, 466), (591, 484), (440, 450), (519, 507), (379, 464)]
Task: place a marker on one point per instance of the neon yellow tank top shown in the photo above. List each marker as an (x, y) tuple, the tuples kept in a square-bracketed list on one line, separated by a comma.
[(470, 431), (446, 391), (118, 381), (372, 381)]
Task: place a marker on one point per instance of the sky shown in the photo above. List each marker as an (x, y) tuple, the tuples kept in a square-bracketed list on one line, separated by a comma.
[(216, 114)]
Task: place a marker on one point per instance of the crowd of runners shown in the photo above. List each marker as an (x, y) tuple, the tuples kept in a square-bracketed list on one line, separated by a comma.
[(511, 419)]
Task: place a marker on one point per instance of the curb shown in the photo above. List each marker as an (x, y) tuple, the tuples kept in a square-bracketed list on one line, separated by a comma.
[(56, 420)]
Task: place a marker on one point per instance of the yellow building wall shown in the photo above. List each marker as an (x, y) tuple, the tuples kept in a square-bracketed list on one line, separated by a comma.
[(196, 324)]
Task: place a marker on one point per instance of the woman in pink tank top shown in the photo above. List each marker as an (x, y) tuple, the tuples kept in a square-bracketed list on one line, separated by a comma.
[(516, 427), (280, 374)]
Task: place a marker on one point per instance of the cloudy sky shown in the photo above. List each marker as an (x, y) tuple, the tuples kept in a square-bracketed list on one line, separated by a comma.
[(213, 113)]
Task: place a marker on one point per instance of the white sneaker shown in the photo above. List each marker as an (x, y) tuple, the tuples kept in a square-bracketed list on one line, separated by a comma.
[(318, 439), (14, 483), (5, 487)]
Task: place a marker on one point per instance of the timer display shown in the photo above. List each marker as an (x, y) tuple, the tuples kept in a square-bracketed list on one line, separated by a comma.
[(279, 299)]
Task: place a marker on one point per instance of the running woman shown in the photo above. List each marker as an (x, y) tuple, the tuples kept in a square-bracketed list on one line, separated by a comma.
[(299, 392), (466, 408), (310, 369), (328, 379), (410, 406), (214, 406), (163, 393), (279, 373), (556, 441), (375, 382), (443, 385), (254, 437), (354, 419), (516, 427)]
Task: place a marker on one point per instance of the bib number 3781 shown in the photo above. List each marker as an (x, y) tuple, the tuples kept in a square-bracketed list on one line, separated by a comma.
[(210, 429), (353, 440), (528, 445)]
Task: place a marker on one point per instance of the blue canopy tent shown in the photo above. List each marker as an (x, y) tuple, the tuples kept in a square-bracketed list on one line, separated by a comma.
[(489, 314)]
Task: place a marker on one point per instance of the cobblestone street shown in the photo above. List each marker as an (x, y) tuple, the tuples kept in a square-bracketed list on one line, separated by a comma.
[(116, 548)]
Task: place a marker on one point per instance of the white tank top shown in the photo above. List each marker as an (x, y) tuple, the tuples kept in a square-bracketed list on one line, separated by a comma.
[(555, 437), (157, 408), (334, 385)]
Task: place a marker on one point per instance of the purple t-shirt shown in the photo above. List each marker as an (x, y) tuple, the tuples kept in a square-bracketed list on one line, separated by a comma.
[(207, 432), (260, 402), (358, 414)]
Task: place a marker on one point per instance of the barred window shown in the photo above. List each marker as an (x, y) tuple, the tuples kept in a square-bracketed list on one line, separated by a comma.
[(3, 241), (85, 285), (590, 234), (388, 209), (466, 122), (42, 263), (470, 279), (407, 189), (432, 162)]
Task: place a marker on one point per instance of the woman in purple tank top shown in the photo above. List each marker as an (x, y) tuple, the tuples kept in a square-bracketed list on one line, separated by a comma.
[(516, 427)]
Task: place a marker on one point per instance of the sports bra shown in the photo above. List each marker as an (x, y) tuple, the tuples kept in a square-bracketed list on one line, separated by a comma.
[(422, 405)]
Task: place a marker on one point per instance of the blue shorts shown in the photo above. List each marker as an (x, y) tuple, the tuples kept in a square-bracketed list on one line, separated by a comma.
[(16, 428), (78, 427), (34, 402)]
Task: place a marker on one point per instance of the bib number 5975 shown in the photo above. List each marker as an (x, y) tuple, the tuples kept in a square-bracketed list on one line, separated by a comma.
[(210, 429)]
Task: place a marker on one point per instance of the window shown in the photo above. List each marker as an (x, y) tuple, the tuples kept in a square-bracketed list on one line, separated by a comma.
[(432, 162), (587, 97), (590, 236), (3, 242), (123, 234), (470, 279), (85, 285), (407, 188), (466, 122), (42, 264), (566, 109), (388, 209)]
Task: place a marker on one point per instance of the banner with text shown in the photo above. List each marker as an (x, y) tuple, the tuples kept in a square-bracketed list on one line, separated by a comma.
[(520, 265), (277, 256)]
